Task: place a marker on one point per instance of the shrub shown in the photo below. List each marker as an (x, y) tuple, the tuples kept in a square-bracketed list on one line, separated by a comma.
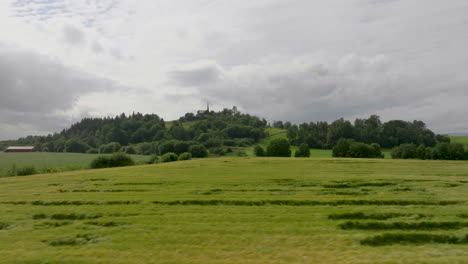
[(76, 146), (130, 150), (303, 151), (169, 157), (154, 159), (198, 151), (27, 170), (279, 148), (229, 142), (120, 160), (218, 151), (185, 156), (181, 147), (116, 160), (213, 143), (259, 151), (353, 149), (244, 142), (341, 148), (421, 152), (92, 151), (110, 148), (166, 147)]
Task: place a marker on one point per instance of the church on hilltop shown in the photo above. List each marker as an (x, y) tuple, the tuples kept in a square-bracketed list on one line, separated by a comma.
[(204, 112)]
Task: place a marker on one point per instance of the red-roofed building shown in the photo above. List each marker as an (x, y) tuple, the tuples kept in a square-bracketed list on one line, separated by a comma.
[(21, 149)]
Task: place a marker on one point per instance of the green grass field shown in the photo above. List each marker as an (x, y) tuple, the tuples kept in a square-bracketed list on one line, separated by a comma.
[(462, 140), (240, 210), (49, 159)]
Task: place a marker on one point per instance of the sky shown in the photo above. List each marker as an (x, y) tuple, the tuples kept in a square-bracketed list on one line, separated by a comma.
[(296, 60)]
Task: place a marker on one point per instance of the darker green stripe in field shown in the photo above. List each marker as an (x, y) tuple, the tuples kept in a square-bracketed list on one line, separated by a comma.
[(303, 202), (402, 225), (391, 239)]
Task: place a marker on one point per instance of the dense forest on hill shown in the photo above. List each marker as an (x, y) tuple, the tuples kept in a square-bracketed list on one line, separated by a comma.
[(150, 134)]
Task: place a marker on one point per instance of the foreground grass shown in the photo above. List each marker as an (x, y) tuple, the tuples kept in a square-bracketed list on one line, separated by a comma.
[(239, 210)]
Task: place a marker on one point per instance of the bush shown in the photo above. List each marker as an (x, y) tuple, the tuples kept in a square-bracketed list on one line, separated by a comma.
[(229, 142), (341, 148), (169, 157), (213, 143), (147, 148), (130, 150), (279, 148), (27, 170), (442, 151), (110, 148), (353, 149), (303, 151), (166, 147), (116, 160), (185, 156), (76, 146), (259, 151), (198, 151), (154, 159), (218, 151), (92, 151), (181, 147)]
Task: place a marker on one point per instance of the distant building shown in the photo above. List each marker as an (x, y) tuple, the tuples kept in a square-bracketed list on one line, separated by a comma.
[(21, 149), (204, 112)]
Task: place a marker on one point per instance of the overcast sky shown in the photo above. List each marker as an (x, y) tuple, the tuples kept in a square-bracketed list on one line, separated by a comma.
[(297, 60)]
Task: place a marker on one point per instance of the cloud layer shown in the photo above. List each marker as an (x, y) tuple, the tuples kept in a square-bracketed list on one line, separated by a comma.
[(300, 61)]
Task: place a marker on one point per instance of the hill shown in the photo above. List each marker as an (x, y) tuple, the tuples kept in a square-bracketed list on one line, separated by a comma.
[(459, 139), (240, 210)]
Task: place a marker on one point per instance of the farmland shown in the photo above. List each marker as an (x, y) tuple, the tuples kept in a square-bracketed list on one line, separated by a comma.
[(51, 160), (240, 210), (459, 139)]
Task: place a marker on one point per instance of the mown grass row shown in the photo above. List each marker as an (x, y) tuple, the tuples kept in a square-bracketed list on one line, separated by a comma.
[(357, 185), (94, 191), (72, 216), (303, 202), (376, 216), (403, 238), (243, 202), (402, 225), (81, 239)]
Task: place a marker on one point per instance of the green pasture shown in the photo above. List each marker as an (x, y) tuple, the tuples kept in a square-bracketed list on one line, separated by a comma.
[(49, 159), (458, 139), (240, 210)]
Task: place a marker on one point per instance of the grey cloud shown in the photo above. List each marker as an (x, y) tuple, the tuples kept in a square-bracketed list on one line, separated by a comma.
[(35, 90), (73, 35), (197, 74), (311, 89)]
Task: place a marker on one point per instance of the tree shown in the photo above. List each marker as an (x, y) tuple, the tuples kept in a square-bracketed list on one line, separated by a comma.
[(259, 151), (198, 151), (421, 152), (279, 147), (303, 151), (339, 129), (341, 148), (76, 146)]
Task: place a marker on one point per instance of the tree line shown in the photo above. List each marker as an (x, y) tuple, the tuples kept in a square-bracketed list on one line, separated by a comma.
[(149, 134), (323, 135)]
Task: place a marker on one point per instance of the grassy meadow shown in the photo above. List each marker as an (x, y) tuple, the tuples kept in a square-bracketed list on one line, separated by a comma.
[(240, 210), (40, 160), (459, 139)]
